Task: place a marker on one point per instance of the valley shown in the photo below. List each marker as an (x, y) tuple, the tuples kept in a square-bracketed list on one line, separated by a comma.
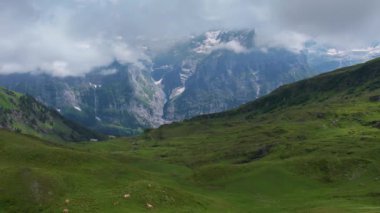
[(310, 146), (201, 106), (207, 73)]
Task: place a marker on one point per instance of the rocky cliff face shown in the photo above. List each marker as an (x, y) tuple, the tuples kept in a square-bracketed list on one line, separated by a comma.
[(117, 99), (212, 72), (221, 70)]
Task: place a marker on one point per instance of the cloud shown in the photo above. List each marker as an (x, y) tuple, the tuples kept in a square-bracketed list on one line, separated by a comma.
[(72, 37), (343, 22), (213, 43), (49, 49), (234, 46), (45, 42), (108, 71), (290, 40)]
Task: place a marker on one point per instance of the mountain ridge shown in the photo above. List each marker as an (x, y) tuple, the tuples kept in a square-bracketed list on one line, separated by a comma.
[(208, 73), (219, 70), (189, 79), (311, 146), (23, 114)]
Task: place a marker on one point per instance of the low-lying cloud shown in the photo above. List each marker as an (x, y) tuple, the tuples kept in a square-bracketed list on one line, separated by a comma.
[(72, 37)]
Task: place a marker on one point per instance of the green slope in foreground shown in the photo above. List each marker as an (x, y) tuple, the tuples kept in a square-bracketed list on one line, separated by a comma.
[(23, 114), (312, 146)]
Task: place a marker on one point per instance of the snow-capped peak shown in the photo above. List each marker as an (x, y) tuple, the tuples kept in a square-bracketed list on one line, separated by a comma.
[(335, 52), (358, 53), (210, 41), (216, 40), (95, 86), (177, 92)]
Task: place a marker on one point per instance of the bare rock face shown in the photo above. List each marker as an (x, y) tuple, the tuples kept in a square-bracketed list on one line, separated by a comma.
[(209, 73), (116, 103), (220, 70)]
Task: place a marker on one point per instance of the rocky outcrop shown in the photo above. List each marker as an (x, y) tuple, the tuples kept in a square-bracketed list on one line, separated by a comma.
[(121, 102), (221, 70), (212, 72)]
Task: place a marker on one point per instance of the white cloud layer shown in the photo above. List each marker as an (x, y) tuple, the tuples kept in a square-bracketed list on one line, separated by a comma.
[(290, 40), (71, 37)]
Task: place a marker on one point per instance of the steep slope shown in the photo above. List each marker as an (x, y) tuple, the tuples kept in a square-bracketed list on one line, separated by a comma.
[(346, 98), (116, 100), (311, 146), (324, 130), (221, 70), (345, 83), (209, 73), (24, 114)]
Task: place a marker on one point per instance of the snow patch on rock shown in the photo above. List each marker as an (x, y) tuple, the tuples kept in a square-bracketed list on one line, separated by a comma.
[(177, 92), (209, 43), (158, 82), (77, 108), (213, 42), (95, 86)]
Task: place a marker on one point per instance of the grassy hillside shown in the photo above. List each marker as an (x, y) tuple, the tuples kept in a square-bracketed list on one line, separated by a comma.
[(312, 146), (25, 115)]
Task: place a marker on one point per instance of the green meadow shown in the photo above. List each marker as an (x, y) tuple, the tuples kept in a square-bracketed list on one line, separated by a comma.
[(312, 146)]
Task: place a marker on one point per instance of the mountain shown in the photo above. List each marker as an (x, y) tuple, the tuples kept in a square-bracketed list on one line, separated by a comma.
[(220, 70), (309, 146), (212, 72), (116, 99), (334, 105), (323, 58), (23, 114), (207, 73)]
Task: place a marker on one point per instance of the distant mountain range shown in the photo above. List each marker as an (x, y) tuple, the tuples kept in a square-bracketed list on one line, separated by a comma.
[(323, 58), (212, 72), (309, 146)]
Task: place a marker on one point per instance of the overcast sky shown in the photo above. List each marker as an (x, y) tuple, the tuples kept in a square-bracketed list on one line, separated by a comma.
[(70, 37)]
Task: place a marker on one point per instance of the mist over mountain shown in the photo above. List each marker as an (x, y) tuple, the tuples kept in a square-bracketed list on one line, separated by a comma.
[(211, 72), (116, 99), (189, 106), (220, 70), (73, 37)]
